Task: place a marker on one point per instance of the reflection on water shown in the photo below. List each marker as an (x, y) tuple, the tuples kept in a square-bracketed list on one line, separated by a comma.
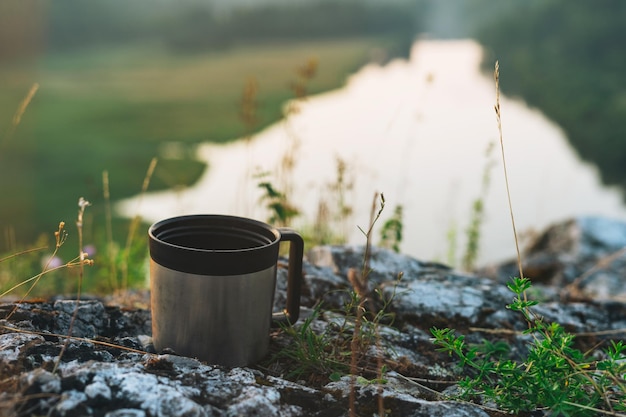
[(417, 131)]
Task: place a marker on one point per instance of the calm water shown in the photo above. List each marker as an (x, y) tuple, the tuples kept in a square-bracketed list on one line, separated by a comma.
[(417, 131)]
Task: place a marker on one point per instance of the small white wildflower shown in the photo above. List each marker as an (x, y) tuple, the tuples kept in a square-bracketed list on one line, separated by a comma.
[(82, 203)]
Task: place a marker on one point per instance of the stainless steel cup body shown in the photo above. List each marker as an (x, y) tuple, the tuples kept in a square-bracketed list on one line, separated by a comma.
[(212, 286), (221, 319)]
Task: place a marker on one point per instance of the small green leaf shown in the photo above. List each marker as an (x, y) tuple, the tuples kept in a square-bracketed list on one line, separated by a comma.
[(335, 376), (361, 380)]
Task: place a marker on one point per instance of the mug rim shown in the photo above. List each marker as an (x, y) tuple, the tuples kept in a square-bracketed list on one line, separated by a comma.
[(190, 217), (261, 254)]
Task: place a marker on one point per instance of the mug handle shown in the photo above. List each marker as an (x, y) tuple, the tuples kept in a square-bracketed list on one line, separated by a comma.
[(294, 277)]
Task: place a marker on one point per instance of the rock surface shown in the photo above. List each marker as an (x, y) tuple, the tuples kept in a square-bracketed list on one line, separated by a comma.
[(585, 254), (109, 367)]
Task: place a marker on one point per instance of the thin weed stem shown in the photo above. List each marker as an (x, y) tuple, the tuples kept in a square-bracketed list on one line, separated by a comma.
[(300, 89), (80, 339), (17, 117), (472, 248), (595, 410), (109, 230), (361, 287), (496, 76), (134, 224), (60, 237), (82, 205), (24, 252), (248, 113), (9, 237), (554, 375), (354, 357), (46, 270)]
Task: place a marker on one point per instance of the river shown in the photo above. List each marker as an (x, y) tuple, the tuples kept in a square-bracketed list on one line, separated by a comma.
[(418, 131)]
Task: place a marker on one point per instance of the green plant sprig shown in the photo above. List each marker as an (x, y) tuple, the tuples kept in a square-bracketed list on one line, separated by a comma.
[(341, 347), (554, 375), (282, 212), (314, 353), (392, 230), (327, 352)]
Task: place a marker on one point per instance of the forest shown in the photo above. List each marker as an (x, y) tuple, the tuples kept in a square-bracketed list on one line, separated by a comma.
[(568, 58)]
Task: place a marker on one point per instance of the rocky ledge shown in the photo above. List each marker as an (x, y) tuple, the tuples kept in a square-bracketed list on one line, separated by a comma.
[(109, 368)]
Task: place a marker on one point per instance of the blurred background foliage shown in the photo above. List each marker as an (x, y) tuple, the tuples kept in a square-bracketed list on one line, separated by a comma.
[(568, 58), (124, 81)]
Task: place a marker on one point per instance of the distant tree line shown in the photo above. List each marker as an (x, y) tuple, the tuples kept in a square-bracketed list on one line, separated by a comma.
[(188, 25), (568, 58), (296, 21)]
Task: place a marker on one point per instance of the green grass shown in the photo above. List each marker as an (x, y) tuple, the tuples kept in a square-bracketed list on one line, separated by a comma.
[(111, 109)]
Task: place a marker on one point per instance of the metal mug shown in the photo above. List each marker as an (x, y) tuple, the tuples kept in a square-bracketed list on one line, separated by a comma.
[(212, 280)]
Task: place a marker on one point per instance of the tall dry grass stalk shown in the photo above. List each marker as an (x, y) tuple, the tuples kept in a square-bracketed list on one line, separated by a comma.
[(111, 252), (17, 117), (360, 284), (248, 107), (82, 257), (477, 215), (300, 89), (589, 378), (23, 252), (496, 76), (134, 224), (82, 205), (333, 215), (248, 114)]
